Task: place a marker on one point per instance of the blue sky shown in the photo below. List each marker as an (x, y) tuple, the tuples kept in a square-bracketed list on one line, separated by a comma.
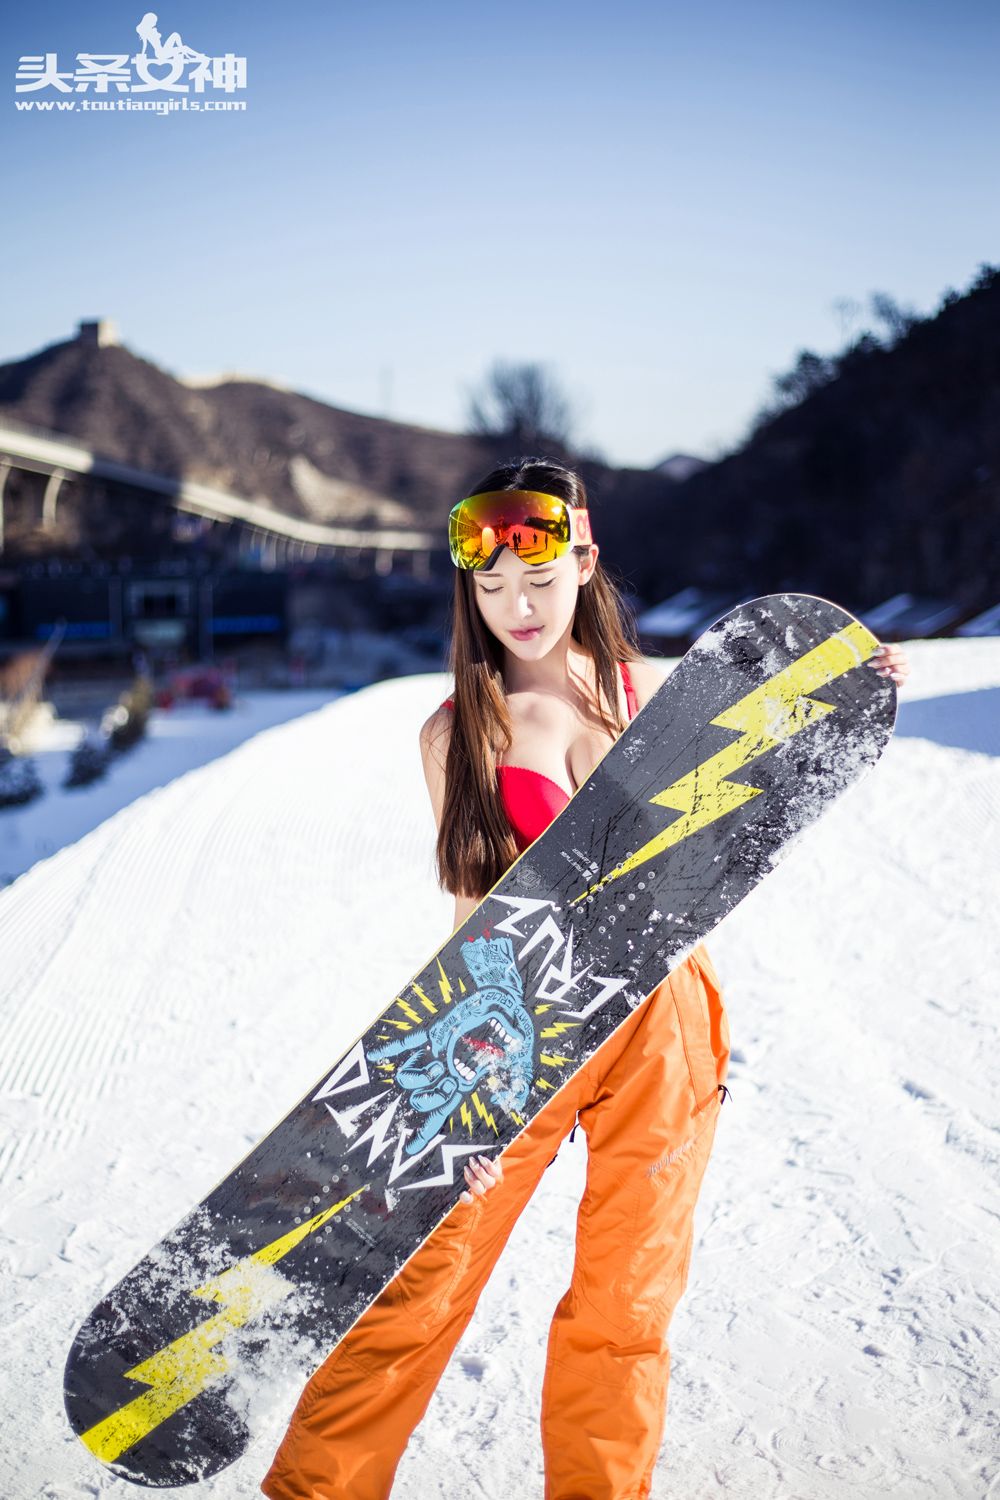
[(662, 202)]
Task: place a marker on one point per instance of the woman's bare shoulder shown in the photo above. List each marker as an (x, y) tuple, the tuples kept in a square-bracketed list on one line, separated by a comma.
[(436, 731), (646, 677)]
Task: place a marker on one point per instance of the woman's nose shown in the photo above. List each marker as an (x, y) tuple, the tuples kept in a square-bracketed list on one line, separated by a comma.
[(523, 606)]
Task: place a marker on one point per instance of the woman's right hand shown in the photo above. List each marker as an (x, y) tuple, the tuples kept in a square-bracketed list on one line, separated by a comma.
[(481, 1173)]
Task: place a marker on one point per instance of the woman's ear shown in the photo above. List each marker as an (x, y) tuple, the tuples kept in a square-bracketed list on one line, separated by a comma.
[(589, 563)]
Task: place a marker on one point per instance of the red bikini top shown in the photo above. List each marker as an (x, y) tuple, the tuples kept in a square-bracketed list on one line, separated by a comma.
[(532, 799)]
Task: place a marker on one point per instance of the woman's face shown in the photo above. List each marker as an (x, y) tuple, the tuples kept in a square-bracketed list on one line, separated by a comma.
[(528, 606)]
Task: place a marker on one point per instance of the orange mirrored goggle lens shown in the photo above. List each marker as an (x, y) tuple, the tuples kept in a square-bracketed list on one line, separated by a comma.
[(536, 527)]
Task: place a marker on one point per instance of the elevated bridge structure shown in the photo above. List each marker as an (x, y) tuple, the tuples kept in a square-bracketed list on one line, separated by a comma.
[(278, 538)]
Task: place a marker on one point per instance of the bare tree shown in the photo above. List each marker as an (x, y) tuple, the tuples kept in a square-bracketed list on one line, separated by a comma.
[(896, 320), (849, 313), (522, 403)]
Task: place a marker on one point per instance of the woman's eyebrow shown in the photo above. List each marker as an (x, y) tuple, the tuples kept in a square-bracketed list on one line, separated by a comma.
[(498, 577)]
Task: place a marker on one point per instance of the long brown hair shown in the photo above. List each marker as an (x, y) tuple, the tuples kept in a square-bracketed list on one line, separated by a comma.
[(476, 842)]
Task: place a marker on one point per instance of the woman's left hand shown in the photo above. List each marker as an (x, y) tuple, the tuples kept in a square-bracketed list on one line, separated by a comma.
[(482, 1173), (890, 661)]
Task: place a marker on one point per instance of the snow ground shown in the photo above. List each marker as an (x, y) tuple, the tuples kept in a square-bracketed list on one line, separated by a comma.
[(177, 740), (175, 978)]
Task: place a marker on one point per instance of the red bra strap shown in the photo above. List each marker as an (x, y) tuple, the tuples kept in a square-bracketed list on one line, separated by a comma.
[(630, 698)]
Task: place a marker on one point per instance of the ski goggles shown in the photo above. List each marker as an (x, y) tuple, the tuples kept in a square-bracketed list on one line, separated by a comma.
[(538, 528)]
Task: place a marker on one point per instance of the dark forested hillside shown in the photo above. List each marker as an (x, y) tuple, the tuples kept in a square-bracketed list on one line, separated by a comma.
[(885, 477)]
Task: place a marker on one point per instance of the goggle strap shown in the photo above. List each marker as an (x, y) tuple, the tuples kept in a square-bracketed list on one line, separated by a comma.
[(580, 525)]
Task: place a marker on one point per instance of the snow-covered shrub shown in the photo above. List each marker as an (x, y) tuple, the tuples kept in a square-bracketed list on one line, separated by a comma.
[(89, 761), (19, 779)]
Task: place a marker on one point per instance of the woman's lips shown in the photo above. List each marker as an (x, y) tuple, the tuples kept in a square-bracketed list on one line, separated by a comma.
[(526, 635)]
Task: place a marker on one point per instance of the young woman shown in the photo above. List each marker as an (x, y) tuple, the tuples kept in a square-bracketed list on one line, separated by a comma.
[(547, 674)]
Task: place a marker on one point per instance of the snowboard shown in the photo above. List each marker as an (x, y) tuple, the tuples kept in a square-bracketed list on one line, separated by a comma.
[(768, 717)]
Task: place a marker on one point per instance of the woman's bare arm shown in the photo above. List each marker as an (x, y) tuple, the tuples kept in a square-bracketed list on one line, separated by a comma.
[(464, 907), (482, 1173), (434, 737)]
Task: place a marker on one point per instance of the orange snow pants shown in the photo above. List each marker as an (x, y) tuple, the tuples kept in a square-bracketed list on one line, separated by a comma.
[(648, 1100)]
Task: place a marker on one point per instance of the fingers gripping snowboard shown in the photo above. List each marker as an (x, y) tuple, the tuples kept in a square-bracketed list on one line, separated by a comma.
[(766, 720)]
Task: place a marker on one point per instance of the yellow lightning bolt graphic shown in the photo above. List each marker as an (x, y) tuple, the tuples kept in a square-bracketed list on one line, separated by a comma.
[(543, 1083), (425, 1000), (553, 1059), (191, 1363), (558, 1027), (408, 1011), (466, 1116), (766, 717), (484, 1113), (444, 984)]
